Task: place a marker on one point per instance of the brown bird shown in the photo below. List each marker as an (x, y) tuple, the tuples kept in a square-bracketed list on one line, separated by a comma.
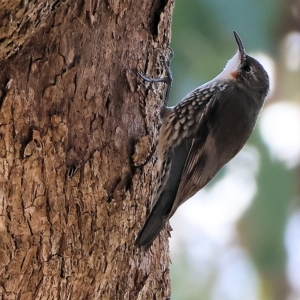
[(204, 131)]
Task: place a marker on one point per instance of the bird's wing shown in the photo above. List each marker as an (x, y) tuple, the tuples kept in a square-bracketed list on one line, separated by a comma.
[(179, 162), (202, 162)]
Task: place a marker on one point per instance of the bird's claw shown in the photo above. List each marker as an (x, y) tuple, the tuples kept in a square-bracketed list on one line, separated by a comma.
[(167, 79)]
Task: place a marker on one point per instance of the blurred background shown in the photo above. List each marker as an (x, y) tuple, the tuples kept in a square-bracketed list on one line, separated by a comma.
[(239, 238)]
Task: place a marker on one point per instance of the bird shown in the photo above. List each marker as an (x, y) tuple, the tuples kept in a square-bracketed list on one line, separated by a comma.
[(202, 133)]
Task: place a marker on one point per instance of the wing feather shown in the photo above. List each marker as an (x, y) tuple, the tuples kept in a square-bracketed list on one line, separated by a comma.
[(201, 164)]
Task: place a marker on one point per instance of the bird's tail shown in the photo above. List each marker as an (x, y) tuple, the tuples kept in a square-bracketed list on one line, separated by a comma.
[(156, 220), (166, 197), (150, 230)]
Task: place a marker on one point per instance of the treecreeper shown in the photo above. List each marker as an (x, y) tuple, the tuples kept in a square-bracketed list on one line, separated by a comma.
[(203, 132)]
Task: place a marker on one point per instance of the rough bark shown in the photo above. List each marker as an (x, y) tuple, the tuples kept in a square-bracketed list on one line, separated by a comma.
[(74, 118)]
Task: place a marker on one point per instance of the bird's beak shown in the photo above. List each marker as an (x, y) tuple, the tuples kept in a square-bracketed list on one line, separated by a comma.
[(240, 45)]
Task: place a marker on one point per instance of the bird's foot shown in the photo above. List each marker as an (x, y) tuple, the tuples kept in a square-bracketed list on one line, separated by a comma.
[(168, 79)]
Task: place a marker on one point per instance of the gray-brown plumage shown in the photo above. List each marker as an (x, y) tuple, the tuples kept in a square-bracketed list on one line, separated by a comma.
[(202, 133)]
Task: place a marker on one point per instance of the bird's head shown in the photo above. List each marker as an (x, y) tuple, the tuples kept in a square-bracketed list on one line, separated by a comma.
[(246, 70)]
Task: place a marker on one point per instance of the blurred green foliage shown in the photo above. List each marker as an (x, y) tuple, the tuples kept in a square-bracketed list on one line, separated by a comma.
[(202, 40)]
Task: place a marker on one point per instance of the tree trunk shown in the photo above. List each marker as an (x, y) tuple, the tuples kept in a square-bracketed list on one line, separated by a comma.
[(74, 118)]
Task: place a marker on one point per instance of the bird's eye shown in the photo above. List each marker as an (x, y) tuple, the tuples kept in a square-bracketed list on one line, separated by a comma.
[(246, 68)]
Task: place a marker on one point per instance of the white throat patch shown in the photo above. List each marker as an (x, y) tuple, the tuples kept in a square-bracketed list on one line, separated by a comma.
[(229, 72), (231, 68)]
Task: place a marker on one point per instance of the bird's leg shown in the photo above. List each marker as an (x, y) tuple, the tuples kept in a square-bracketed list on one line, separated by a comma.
[(168, 79)]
